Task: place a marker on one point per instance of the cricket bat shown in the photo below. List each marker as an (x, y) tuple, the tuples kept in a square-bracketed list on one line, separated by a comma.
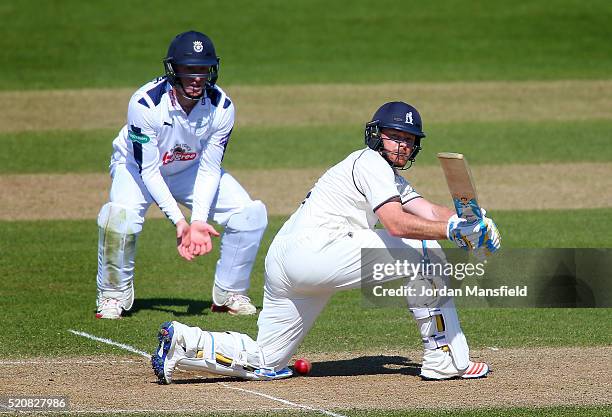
[(462, 190), (461, 185)]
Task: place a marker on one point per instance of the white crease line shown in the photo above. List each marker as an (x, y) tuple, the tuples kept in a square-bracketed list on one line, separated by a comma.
[(65, 362), (144, 410), (110, 342), (493, 348), (223, 384), (320, 410)]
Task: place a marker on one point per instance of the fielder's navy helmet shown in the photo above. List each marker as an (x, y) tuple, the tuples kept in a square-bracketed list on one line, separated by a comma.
[(192, 49), (395, 115)]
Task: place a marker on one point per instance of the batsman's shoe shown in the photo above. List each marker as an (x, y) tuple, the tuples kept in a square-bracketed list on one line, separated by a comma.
[(476, 370), (438, 364), (267, 374), (168, 353), (232, 303), (110, 308)]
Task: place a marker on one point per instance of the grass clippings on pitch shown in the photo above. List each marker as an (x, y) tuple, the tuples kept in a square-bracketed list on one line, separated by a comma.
[(331, 104), (503, 187)]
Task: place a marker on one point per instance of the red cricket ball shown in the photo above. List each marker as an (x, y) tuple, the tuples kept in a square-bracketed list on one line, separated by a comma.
[(302, 366)]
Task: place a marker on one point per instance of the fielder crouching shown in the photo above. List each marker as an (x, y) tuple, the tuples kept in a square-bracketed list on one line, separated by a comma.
[(170, 151), (318, 252)]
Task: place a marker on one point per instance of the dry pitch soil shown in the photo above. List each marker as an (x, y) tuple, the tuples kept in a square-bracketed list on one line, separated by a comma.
[(533, 377)]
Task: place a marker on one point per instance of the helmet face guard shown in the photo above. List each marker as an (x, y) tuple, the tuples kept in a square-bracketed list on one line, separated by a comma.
[(374, 141), (191, 49), (174, 78), (399, 116)]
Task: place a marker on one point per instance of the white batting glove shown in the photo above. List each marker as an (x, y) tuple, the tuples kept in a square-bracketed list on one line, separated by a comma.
[(466, 235), (492, 237), (492, 241)]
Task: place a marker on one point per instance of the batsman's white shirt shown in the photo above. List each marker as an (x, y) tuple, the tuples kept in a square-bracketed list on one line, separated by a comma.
[(161, 140), (349, 193)]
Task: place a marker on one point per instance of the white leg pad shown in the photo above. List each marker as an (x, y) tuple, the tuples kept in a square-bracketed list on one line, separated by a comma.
[(221, 353), (437, 320), (455, 336), (439, 327), (118, 227)]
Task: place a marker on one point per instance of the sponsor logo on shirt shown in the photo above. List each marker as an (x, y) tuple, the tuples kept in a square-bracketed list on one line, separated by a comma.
[(135, 135), (180, 152)]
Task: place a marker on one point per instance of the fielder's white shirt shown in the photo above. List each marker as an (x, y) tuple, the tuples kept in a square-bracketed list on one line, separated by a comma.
[(161, 140), (349, 193)]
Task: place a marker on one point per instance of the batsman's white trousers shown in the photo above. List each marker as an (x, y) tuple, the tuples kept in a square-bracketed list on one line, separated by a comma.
[(238, 247), (304, 268)]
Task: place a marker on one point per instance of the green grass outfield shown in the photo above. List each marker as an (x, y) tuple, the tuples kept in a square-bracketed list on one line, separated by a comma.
[(73, 44), (49, 268)]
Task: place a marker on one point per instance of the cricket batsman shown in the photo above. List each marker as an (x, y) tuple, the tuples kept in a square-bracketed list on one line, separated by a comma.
[(317, 252), (169, 152)]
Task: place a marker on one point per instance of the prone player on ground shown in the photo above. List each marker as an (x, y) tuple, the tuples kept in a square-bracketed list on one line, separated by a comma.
[(318, 252), (170, 152)]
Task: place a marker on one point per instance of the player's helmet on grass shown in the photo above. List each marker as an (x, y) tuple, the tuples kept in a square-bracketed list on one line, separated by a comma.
[(395, 115), (191, 49)]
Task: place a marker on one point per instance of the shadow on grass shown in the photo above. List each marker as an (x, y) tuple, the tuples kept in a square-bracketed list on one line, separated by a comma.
[(174, 306), (364, 365)]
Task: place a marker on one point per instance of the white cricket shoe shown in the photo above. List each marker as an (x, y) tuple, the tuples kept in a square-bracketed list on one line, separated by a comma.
[(438, 364), (109, 308), (168, 353), (233, 303), (268, 375), (476, 370)]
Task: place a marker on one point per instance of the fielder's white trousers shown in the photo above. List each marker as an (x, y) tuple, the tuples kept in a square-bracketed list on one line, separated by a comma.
[(234, 266)]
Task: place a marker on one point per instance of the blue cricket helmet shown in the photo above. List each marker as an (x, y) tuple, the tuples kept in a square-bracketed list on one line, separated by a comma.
[(192, 49), (395, 115)]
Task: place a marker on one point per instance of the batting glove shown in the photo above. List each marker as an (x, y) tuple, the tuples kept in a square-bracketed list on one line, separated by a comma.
[(466, 235), (492, 237)]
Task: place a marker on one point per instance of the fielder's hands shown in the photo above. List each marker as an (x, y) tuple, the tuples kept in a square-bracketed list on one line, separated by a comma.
[(466, 235), (201, 238), (183, 239)]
